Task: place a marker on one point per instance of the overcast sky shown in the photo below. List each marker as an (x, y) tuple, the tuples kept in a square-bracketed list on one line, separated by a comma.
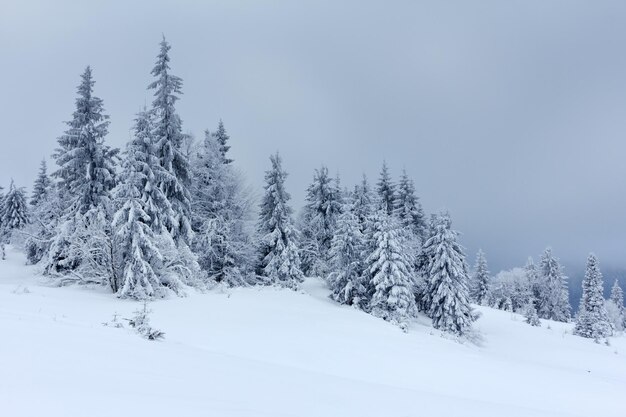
[(511, 115)]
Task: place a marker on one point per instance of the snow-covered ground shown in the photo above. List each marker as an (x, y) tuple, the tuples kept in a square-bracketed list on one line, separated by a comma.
[(270, 352)]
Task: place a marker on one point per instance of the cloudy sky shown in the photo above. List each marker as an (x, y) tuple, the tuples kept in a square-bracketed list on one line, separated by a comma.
[(511, 115)]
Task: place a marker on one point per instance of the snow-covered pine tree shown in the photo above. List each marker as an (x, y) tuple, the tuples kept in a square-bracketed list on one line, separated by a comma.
[(318, 222), (86, 177), (279, 258), (530, 315), (386, 191), (615, 307), (169, 142), (592, 320), (532, 276), (222, 139), (42, 185), (391, 276), (363, 206), (554, 299), (137, 226), (220, 208), (346, 253), (409, 210), (14, 214), (480, 281), (447, 292)]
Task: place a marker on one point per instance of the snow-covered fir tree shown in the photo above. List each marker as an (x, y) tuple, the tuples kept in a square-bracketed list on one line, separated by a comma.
[(553, 292), (480, 280), (386, 190), (615, 307), (222, 138), (409, 210), (530, 315), (14, 211), (592, 320), (221, 207), (390, 271), (279, 258), (532, 277), (86, 176), (346, 256), (169, 143), (138, 231), (318, 222), (363, 206), (447, 296), (42, 185), (86, 170)]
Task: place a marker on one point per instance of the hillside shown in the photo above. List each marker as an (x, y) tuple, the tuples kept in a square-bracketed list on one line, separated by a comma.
[(270, 352)]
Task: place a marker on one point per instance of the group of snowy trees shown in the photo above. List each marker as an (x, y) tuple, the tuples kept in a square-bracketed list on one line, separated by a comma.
[(379, 254), (169, 212), (543, 293), (536, 291), (128, 219)]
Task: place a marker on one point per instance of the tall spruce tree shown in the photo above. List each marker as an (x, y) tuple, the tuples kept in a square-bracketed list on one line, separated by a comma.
[(409, 210), (346, 255), (318, 222), (14, 212), (389, 267), (138, 229), (222, 138), (616, 303), (534, 282), (279, 258), (447, 282), (220, 209), (86, 177), (386, 190), (169, 142), (480, 280), (86, 170), (363, 206), (592, 320), (553, 290), (42, 185)]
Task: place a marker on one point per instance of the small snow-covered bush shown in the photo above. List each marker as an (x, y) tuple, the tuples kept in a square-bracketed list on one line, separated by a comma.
[(141, 323)]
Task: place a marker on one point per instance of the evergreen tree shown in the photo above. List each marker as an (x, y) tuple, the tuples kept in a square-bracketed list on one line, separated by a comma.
[(554, 299), (86, 170), (615, 306), (409, 210), (139, 230), (480, 280), (532, 277), (220, 209), (592, 320), (14, 214), (222, 139), (280, 262), (447, 293), (42, 185), (346, 259), (386, 190), (86, 176), (391, 274), (617, 296), (531, 316), (323, 206), (363, 206), (169, 143)]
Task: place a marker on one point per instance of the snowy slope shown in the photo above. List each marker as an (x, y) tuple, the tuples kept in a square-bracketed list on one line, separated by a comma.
[(270, 352)]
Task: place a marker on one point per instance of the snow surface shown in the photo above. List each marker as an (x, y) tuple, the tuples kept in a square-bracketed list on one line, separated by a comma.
[(271, 352)]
